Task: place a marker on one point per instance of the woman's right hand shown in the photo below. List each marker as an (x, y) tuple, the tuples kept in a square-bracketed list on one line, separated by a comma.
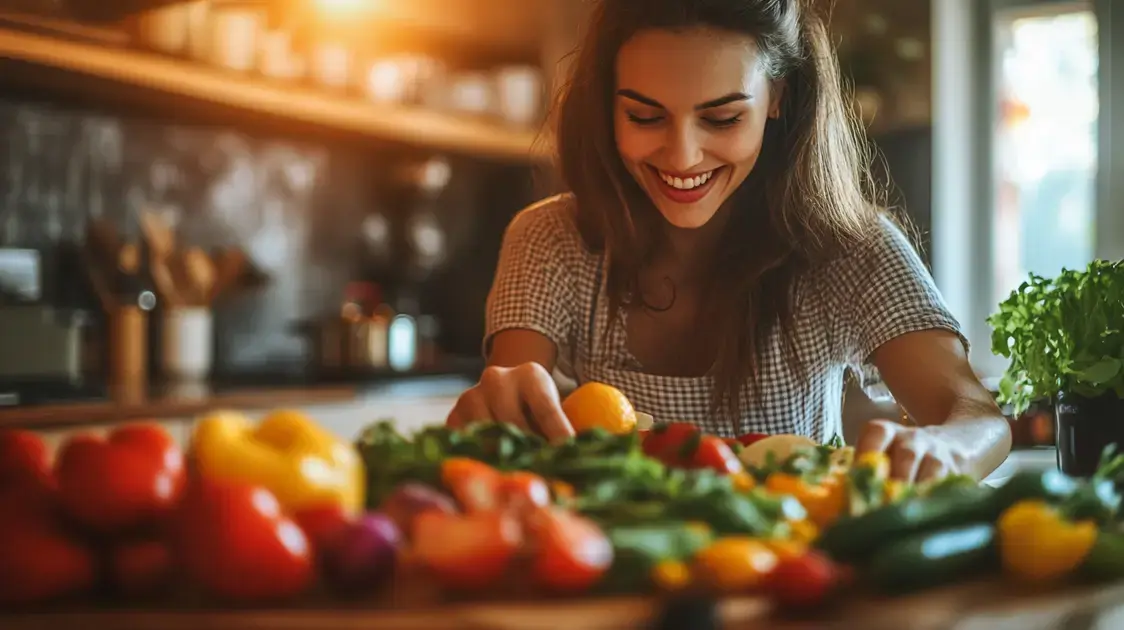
[(524, 395)]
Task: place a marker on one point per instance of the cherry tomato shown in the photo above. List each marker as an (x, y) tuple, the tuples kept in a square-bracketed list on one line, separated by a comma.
[(802, 580), (234, 541), (713, 453)]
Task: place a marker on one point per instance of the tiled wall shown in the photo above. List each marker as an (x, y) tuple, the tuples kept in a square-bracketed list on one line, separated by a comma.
[(294, 205)]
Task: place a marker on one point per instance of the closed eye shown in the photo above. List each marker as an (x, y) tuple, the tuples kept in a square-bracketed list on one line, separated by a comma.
[(639, 120), (724, 122)]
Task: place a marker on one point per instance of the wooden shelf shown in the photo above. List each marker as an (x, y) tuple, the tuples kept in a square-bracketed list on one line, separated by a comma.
[(435, 130)]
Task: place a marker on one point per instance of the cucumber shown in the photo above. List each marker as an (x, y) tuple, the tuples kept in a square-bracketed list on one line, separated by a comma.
[(853, 538), (935, 559), (1051, 486)]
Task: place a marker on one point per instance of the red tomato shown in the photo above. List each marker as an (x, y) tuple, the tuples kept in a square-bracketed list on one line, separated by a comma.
[(572, 552), (235, 543), (142, 569), (666, 441), (131, 479), (24, 460), (467, 551), (474, 484), (38, 562), (523, 491), (714, 453), (802, 581), (322, 523)]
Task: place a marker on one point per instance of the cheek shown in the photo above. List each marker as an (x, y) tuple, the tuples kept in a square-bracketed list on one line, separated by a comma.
[(739, 148), (636, 145)]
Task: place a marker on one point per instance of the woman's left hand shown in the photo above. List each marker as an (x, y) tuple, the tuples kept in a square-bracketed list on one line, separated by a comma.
[(916, 453)]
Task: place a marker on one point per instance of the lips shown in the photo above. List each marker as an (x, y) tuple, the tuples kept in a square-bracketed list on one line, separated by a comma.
[(686, 187)]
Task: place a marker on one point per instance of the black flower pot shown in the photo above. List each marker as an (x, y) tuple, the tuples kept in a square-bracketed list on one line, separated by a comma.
[(1085, 427)]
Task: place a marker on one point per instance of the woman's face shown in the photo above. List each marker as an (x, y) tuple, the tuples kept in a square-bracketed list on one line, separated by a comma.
[(690, 112)]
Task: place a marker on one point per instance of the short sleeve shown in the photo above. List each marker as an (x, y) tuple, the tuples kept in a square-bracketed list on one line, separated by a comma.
[(533, 289), (885, 291)]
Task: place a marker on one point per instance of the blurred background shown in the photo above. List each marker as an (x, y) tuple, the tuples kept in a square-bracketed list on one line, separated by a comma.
[(310, 191)]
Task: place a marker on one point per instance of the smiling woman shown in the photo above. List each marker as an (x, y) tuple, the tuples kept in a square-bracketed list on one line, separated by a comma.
[(721, 258)]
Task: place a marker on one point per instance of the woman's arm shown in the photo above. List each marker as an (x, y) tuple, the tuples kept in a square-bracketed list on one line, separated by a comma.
[(962, 427)]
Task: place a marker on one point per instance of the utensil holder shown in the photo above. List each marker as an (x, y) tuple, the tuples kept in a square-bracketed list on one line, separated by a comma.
[(187, 338)]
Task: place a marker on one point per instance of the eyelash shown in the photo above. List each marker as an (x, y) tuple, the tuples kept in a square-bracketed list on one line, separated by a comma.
[(719, 123)]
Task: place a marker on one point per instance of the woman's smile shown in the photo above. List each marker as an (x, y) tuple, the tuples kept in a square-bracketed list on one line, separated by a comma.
[(684, 188)]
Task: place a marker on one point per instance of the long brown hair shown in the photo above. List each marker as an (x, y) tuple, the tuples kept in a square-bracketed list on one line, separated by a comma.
[(808, 200)]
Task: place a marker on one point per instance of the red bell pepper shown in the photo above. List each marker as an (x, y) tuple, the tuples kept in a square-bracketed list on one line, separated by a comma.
[(235, 542), (24, 460), (38, 561), (132, 479)]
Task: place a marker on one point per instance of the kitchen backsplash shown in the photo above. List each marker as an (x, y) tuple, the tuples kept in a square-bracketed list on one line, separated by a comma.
[(294, 205)]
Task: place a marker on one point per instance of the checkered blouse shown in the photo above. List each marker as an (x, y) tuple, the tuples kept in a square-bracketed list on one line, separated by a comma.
[(547, 281)]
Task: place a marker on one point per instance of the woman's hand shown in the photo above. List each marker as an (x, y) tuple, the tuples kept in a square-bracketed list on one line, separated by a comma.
[(916, 454), (524, 395)]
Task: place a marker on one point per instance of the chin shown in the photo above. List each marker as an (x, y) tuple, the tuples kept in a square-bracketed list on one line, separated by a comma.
[(687, 217)]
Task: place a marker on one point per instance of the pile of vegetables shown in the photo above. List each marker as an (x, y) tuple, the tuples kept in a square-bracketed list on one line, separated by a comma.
[(1040, 528), (270, 511), (252, 513)]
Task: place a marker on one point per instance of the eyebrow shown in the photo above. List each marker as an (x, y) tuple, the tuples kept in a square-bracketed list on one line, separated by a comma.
[(732, 97)]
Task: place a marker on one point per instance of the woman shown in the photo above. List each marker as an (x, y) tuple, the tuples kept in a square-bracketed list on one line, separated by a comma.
[(719, 259)]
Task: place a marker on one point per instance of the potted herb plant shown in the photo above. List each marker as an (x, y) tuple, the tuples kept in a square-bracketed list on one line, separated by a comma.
[(1065, 340)]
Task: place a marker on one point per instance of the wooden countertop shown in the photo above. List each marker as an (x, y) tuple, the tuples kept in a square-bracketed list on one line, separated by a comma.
[(988, 604), (160, 403)]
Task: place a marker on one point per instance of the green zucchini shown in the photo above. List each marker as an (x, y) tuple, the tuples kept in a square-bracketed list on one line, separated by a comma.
[(935, 559), (852, 538)]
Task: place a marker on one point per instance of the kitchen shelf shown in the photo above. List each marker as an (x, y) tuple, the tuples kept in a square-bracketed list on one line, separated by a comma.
[(415, 126)]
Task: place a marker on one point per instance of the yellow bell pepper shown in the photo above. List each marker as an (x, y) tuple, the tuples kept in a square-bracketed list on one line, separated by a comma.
[(671, 575), (287, 453), (1037, 545), (876, 460), (734, 564), (824, 502), (894, 490)]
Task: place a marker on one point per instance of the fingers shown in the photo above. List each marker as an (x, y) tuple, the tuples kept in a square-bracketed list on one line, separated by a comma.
[(876, 437), (524, 396), (905, 459), (501, 392), (471, 407), (932, 468), (541, 395)]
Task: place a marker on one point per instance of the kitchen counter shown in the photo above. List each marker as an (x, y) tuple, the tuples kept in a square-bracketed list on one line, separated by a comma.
[(187, 401)]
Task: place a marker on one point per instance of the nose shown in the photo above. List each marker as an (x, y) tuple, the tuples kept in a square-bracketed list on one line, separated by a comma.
[(684, 147)]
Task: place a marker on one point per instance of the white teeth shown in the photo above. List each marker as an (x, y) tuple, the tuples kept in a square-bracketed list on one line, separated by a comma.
[(686, 184)]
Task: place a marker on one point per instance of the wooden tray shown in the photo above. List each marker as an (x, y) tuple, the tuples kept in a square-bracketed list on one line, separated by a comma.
[(987, 605)]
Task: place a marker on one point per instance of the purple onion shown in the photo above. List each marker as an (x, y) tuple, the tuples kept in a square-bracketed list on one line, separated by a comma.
[(362, 556)]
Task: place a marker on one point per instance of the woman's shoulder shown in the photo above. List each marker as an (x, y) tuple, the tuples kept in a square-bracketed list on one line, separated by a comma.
[(549, 225), (888, 242)]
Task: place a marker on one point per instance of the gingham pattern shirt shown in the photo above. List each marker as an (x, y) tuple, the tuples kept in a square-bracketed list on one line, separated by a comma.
[(548, 282)]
